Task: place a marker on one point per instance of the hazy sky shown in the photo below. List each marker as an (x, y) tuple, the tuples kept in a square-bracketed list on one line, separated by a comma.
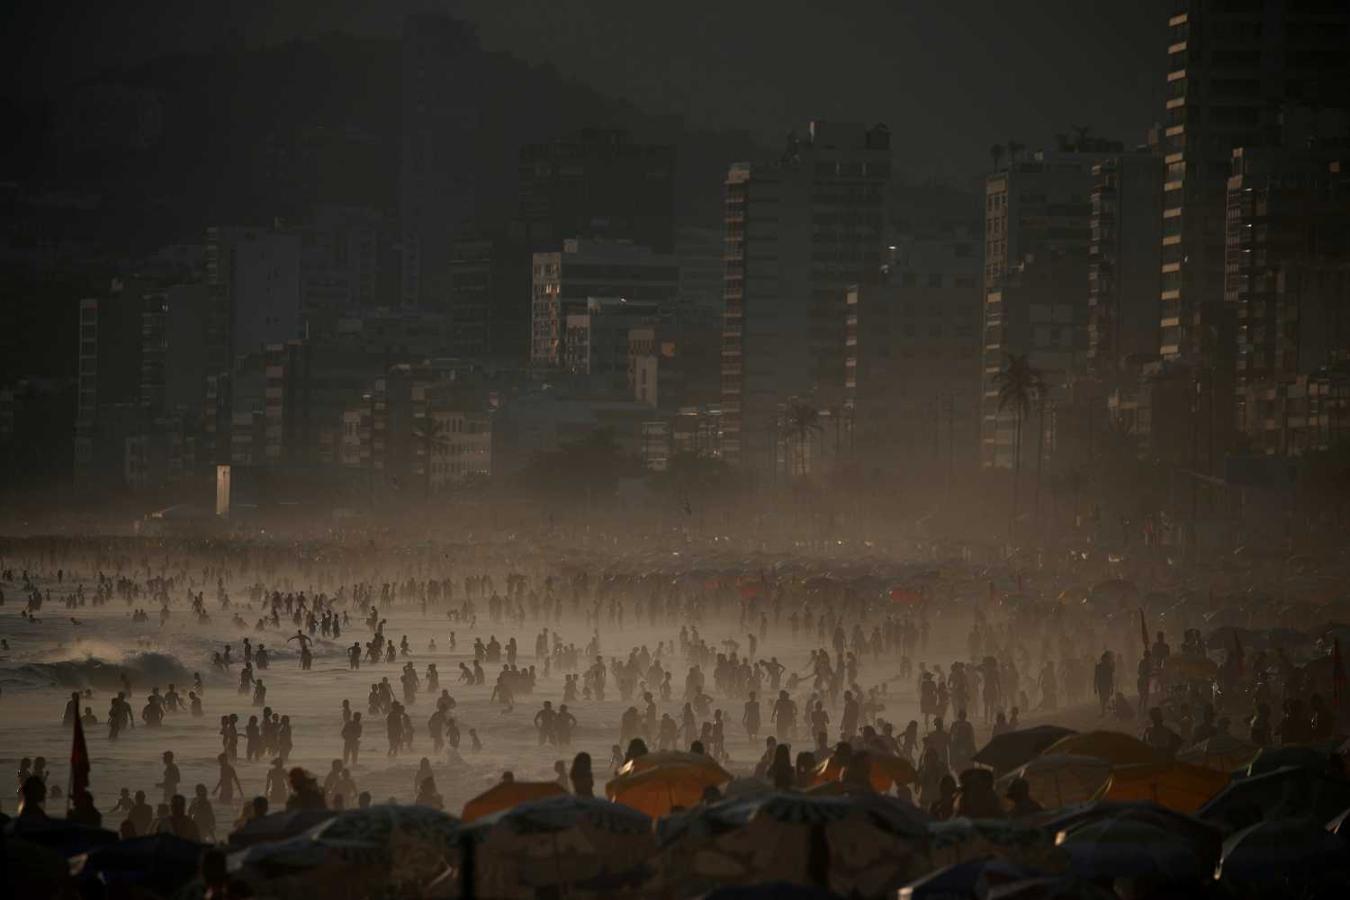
[(949, 76)]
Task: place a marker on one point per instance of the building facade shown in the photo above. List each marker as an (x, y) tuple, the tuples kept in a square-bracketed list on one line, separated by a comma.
[(913, 365), (799, 232), (1123, 261), (565, 279), (1232, 66)]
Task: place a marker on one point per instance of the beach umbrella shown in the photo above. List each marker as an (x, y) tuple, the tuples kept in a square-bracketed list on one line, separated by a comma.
[(277, 826), (862, 844), (1285, 856), (973, 879), (1011, 749), (883, 770), (160, 862), (746, 787), (1204, 838), (1059, 779), (1175, 785), (31, 870), (1121, 848), (558, 842), (1290, 792), (386, 846), (1051, 888), (506, 794), (1313, 758), (960, 840), (65, 837), (1222, 752), (1115, 747), (658, 790), (1340, 825), (673, 758), (770, 890)]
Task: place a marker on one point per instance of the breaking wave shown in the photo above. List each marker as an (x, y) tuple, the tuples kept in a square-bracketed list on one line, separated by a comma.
[(144, 669)]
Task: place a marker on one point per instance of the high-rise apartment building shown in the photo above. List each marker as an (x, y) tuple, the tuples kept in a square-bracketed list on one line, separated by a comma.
[(1287, 280), (913, 377), (1288, 269), (1037, 237), (1123, 261), (1037, 205), (565, 279), (598, 341), (255, 279), (799, 233), (1039, 311), (489, 303), (109, 407), (1232, 66)]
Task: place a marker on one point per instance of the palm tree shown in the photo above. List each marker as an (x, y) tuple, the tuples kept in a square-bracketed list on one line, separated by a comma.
[(802, 419), (1019, 385), (996, 153), (431, 433)]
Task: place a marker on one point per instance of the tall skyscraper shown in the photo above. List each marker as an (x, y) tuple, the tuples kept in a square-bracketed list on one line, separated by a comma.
[(1037, 236), (1037, 205), (1123, 273), (913, 378), (489, 303), (1287, 279), (109, 407), (1232, 66), (799, 233)]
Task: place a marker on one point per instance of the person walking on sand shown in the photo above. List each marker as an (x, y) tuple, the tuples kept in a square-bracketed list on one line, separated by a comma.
[(351, 740), (172, 777), (228, 781), (784, 716), (202, 814), (750, 719)]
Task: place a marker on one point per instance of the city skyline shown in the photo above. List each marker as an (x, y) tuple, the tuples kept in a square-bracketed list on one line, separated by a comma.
[(304, 258)]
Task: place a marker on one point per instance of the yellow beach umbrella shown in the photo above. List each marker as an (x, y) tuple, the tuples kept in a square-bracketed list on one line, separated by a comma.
[(1176, 785), (1223, 753), (658, 790), (670, 758), (883, 770), (1059, 779), (1115, 747), (506, 794)]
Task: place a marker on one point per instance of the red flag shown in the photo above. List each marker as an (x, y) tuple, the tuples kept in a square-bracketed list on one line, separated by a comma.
[(79, 761), (1143, 629), (1237, 643), (1337, 671)]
